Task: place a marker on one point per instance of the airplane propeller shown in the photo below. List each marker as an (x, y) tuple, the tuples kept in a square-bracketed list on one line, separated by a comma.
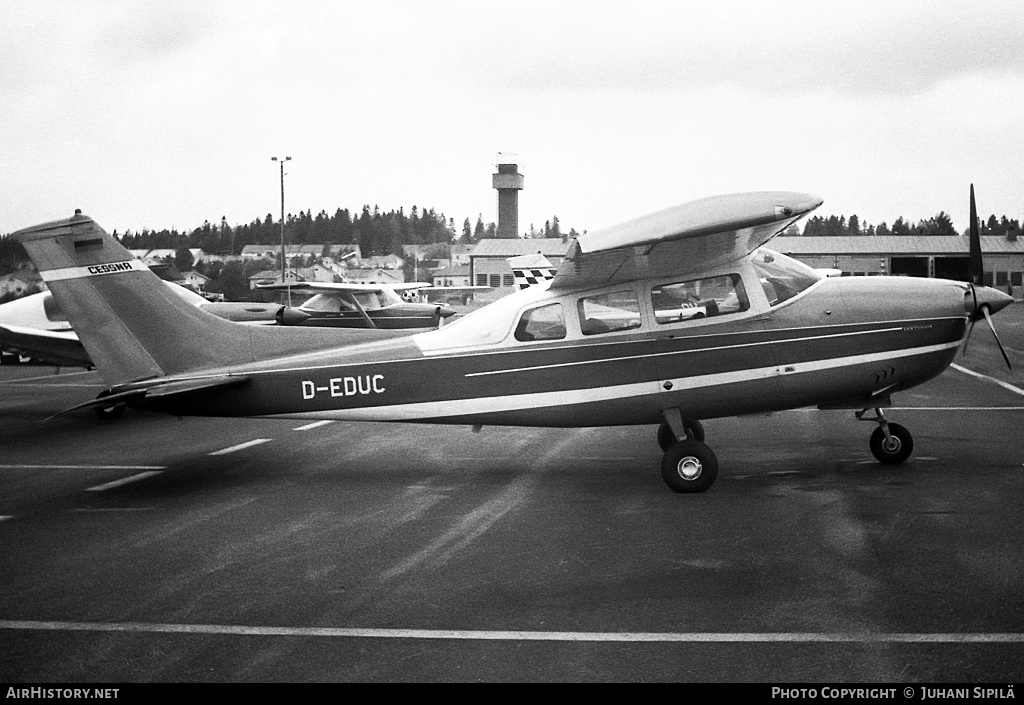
[(984, 299)]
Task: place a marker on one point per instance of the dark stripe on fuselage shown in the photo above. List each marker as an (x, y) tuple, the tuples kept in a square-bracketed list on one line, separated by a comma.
[(396, 372)]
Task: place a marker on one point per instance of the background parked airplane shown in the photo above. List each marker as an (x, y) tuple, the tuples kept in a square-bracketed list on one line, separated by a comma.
[(348, 305), (36, 326)]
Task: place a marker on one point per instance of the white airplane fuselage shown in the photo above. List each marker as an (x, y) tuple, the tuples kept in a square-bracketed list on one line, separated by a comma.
[(839, 341)]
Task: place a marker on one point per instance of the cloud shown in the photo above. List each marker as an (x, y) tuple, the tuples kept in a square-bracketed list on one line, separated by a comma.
[(789, 47)]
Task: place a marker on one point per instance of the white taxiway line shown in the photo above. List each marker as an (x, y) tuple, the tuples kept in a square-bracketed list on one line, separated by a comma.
[(512, 635), (241, 446), (54, 376), (1001, 383), (123, 481), (82, 467), (315, 424)]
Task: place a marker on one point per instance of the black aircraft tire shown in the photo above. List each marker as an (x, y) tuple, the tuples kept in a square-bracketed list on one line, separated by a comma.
[(694, 432), (902, 445), (689, 466)]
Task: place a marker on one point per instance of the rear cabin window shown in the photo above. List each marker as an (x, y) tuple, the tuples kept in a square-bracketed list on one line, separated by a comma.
[(605, 313), (698, 298), (542, 323)]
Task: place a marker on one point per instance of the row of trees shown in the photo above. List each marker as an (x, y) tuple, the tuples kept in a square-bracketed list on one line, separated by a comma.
[(376, 233), (939, 224)]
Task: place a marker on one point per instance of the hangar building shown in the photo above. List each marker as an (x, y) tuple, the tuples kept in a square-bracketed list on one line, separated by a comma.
[(918, 256)]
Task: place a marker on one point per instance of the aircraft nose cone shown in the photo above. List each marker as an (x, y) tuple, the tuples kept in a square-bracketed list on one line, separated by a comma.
[(987, 297), (445, 312)]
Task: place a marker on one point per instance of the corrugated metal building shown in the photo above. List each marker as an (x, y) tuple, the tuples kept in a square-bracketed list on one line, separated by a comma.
[(919, 256)]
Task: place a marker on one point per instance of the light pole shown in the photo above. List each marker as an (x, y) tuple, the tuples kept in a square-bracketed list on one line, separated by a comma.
[(281, 162)]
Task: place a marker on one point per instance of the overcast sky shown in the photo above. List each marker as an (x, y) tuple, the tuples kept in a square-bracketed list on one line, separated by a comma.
[(165, 114)]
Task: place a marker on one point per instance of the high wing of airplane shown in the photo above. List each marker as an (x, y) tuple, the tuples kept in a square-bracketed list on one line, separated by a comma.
[(667, 320), (348, 305)]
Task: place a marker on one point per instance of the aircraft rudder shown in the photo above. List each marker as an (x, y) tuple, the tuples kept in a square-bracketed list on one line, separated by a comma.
[(128, 320)]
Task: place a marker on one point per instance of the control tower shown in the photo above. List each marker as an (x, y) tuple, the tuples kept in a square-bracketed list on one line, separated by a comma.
[(508, 182)]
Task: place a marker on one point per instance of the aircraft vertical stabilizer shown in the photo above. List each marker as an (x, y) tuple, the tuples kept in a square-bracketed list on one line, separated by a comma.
[(131, 324)]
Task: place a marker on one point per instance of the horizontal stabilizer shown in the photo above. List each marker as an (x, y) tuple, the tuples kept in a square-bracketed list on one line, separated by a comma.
[(162, 389)]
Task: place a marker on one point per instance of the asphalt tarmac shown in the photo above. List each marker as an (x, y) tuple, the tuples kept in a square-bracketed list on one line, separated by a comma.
[(239, 550)]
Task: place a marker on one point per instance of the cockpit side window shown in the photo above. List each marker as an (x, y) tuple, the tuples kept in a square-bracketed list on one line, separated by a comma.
[(699, 298), (541, 323), (782, 277), (604, 313)]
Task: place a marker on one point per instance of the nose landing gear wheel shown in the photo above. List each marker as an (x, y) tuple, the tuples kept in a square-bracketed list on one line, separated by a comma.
[(689, 466), (895, 449)]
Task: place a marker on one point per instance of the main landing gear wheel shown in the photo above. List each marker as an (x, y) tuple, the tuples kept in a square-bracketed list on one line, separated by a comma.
[(689, 466), (694, 432), (894, 449)]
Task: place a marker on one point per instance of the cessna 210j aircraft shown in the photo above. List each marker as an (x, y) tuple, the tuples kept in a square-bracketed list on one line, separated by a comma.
[(675, 317)]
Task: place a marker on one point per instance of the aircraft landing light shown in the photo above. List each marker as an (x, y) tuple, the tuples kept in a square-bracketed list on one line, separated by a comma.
[(241, 446)]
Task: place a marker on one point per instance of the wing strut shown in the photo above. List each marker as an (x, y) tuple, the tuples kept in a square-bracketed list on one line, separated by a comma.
[(362, 312)]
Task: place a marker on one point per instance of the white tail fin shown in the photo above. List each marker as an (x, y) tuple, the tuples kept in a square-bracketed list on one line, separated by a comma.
[(128, 320), (531, 270)]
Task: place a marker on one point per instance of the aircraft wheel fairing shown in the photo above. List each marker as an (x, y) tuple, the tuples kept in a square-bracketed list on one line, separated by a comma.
[(694, 432), (896, 448), (689, 466)]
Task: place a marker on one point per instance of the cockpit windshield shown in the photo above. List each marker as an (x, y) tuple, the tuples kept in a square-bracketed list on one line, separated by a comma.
[(329, 303), (336, 302), (782, 277)]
